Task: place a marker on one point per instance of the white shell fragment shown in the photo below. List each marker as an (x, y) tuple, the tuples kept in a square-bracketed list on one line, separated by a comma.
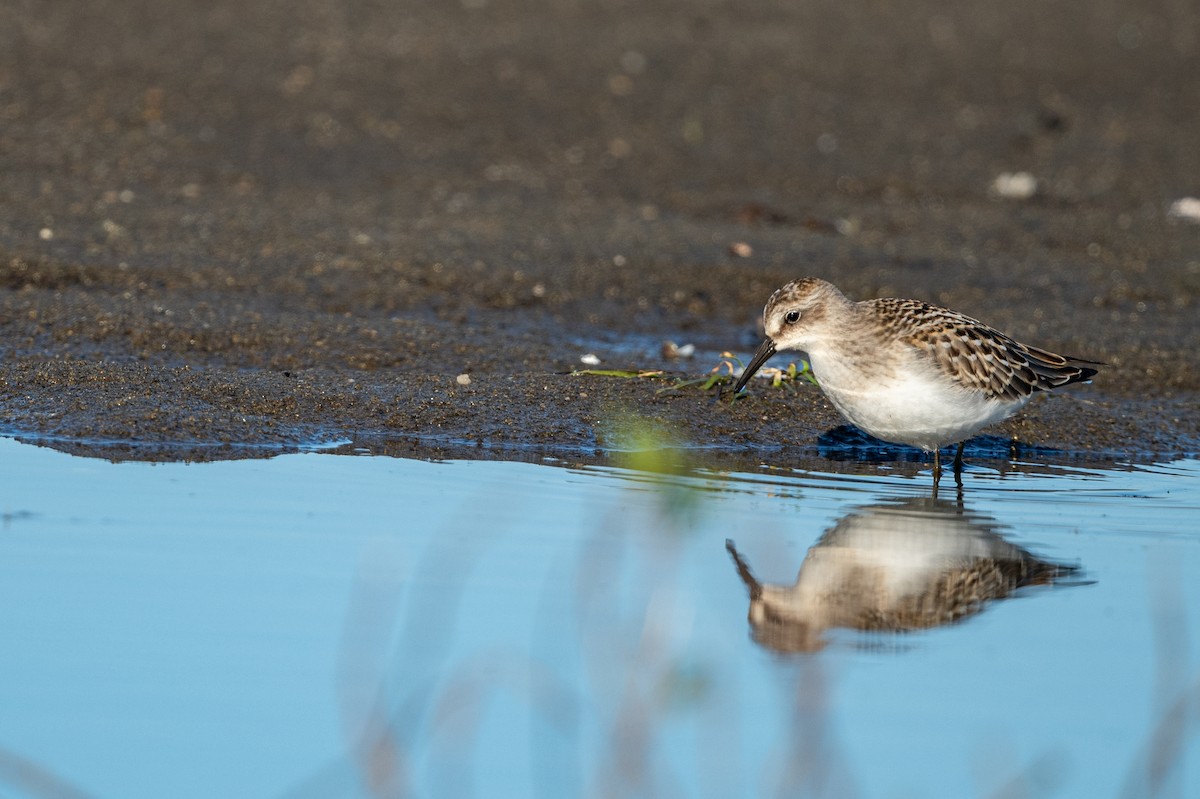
[(671, 350), (1186, 208), (1015, 185)]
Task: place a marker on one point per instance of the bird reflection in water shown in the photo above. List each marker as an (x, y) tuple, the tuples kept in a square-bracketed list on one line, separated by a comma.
[(896, 567)]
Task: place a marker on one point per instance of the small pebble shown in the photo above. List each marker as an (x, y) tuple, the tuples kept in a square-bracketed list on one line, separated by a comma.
[(589, 360), (463, 380), (671, 350), (1015, 185), (741, 249), (1186, 208)]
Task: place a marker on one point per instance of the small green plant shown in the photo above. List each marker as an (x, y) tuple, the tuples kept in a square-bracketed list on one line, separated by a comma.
[(730, 366), (724, 373), (791, 374), (626, 373)]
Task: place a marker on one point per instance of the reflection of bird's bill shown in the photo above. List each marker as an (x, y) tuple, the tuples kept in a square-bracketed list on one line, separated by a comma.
[(743, 569), (893, 567), (764, 353)]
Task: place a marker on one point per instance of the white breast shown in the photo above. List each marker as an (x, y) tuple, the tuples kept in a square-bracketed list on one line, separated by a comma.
[(909, 403)]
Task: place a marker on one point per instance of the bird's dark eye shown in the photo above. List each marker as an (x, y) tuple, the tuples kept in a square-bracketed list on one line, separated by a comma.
[(792, 317)]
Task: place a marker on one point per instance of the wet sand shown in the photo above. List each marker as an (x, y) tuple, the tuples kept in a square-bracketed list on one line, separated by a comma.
[(228, 224)]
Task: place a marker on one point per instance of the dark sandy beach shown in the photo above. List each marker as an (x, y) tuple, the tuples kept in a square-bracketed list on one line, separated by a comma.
[(230, 223)]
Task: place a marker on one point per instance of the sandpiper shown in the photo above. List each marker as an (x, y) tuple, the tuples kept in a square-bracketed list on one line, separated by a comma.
[(906, 371), (898, 566)]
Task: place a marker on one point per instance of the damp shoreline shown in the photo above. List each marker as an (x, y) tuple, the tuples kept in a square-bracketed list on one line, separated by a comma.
[(243, 243)]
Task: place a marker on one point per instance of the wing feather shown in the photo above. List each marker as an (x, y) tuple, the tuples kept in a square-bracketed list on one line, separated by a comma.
[(978, 356)]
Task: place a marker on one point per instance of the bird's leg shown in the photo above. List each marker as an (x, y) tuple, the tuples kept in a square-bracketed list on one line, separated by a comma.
[(937, 472), (958, 464)]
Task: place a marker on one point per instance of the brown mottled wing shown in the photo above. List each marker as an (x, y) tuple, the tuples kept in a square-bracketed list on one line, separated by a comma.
[(977, 356)]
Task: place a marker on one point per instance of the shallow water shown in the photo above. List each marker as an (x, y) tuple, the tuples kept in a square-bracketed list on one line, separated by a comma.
[(312, 625)]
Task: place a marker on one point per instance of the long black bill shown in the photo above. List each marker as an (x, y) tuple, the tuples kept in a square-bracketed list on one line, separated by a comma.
[(765, 351)]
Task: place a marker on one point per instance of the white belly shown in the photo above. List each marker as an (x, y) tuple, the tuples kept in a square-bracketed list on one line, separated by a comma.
[(913, 405)]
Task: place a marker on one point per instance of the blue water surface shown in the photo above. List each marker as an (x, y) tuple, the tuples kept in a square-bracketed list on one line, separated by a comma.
[(318, 625)]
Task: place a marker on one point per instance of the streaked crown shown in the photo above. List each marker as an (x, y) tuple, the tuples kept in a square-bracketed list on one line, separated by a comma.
[(794, 312)]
